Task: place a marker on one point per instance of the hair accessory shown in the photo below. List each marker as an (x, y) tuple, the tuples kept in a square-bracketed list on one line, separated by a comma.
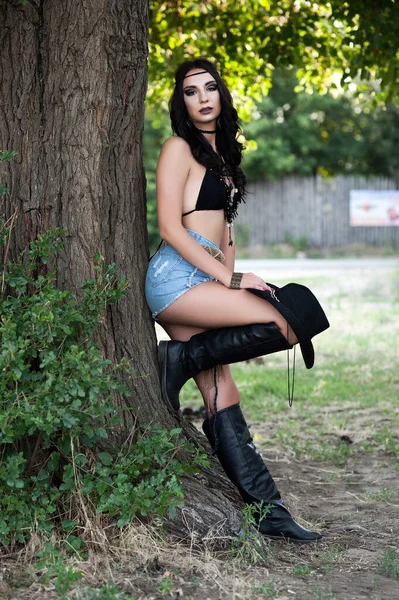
[(192, 75), (236, 281)]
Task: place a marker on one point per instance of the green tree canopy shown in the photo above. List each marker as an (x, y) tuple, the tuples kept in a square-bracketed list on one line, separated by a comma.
[(306, 133), (249, 38)]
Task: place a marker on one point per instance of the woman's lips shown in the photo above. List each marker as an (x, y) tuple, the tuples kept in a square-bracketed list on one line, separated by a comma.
[(205, 111)]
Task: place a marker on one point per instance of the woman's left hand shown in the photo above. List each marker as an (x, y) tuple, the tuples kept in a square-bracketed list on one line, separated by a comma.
[(250, 280)]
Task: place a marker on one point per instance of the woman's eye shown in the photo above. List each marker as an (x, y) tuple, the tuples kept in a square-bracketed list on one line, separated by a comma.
[(212, 88), (189, 92)]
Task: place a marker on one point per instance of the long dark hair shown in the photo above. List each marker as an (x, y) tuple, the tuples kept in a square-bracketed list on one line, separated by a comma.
[(228, 159)]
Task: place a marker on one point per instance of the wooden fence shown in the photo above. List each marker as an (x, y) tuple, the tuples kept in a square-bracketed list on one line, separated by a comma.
[(313, 208)]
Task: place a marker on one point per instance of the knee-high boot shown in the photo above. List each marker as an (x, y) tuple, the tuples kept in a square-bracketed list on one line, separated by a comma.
[(179, 361), (246, 470)]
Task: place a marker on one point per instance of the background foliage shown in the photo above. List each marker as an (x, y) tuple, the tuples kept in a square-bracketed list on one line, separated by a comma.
[(249, 38), (283, 47), (308, 133), (298, 132)]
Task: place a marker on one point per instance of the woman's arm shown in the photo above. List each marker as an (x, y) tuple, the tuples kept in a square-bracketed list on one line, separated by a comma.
[(228, 251), (172, 173)]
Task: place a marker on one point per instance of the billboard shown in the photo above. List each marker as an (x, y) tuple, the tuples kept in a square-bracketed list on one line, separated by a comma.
[(374, 208)]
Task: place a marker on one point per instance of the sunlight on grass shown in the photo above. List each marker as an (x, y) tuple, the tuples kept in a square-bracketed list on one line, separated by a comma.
[(356, 371)]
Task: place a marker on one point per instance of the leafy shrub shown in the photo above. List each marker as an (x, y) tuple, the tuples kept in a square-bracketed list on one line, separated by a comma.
[(56, 408)]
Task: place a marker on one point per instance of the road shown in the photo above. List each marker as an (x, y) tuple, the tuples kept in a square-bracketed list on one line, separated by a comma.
[(305, 267)]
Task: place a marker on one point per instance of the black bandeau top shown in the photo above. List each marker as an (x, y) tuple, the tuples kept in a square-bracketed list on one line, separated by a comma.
[(213, 194)]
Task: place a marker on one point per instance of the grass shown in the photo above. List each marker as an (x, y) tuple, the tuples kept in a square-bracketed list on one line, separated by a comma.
[(302, 570), (264, 590), (105, 592), (386, 439), (345, 416), (290, 250), (388, 565), (263, 385), (325, 560), (382, 495), (250, 547), (328, 400), (166, 585), (356, 371), (323, 594)]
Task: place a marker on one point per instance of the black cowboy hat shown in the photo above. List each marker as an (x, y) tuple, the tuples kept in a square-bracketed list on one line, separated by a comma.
[(301, 309)]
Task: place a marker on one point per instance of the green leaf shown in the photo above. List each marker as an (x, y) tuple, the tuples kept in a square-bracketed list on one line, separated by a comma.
[(74, 542), (175, 431), (69, 525), (105, 458)]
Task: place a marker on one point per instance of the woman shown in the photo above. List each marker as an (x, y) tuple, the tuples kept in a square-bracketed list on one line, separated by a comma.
[(191, 286)]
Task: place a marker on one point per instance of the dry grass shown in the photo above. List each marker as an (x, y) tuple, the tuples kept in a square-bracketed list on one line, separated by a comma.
[(334, 459), (139, 560)]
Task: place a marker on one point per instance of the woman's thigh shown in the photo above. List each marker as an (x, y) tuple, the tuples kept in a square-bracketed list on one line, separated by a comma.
[(211, 305), (180, 332)]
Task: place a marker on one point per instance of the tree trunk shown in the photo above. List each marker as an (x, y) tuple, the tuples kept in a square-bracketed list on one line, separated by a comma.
[(73, 81)]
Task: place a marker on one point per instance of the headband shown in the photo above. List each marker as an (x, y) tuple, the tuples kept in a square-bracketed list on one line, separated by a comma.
[(192, 75)]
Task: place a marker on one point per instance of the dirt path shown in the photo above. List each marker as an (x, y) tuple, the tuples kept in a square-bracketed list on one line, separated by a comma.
[(356, 506), (359, 509)]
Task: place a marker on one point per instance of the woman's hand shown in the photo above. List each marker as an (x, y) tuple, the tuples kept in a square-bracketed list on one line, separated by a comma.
[(250, 280)]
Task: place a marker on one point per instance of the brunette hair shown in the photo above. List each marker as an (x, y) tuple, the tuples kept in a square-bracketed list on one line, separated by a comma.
[(228, 159)]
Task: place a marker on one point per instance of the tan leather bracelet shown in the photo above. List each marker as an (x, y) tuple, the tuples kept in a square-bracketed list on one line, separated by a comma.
[(236, 281)]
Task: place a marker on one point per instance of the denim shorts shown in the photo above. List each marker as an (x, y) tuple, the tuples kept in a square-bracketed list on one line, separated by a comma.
[(169, 276)]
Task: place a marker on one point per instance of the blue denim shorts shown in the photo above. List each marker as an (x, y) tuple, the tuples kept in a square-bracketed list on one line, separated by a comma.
[(169, 276)]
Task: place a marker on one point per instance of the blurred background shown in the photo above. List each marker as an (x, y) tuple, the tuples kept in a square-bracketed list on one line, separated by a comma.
[(316, 88)]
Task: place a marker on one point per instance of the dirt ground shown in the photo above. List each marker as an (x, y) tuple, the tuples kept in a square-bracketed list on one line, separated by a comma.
[(350, 493), (358, 524), (355, 506)]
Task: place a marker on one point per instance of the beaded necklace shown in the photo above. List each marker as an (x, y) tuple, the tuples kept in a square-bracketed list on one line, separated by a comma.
[(233, 199)]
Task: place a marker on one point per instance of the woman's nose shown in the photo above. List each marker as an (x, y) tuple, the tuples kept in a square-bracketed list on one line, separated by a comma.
[(203, 96)]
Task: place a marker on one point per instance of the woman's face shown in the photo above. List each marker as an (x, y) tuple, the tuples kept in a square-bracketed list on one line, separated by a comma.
[(202, 98)]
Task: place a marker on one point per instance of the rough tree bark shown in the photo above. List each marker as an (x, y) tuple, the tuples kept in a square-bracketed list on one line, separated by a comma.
[(73, 81)]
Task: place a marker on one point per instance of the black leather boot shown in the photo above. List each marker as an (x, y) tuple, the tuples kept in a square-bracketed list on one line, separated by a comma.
[(245, 468), (179, 361)]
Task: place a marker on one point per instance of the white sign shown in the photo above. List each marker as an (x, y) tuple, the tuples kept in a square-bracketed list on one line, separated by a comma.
[(374, 208)]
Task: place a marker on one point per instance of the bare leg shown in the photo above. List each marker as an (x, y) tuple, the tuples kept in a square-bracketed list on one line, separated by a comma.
[(211, 305), (227, 390)]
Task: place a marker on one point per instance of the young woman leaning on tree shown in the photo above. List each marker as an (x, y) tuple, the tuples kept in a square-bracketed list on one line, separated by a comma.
[(213, 315)]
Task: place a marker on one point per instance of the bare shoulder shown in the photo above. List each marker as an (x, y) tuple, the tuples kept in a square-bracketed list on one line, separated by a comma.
[(175, 159), (175, 146)]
